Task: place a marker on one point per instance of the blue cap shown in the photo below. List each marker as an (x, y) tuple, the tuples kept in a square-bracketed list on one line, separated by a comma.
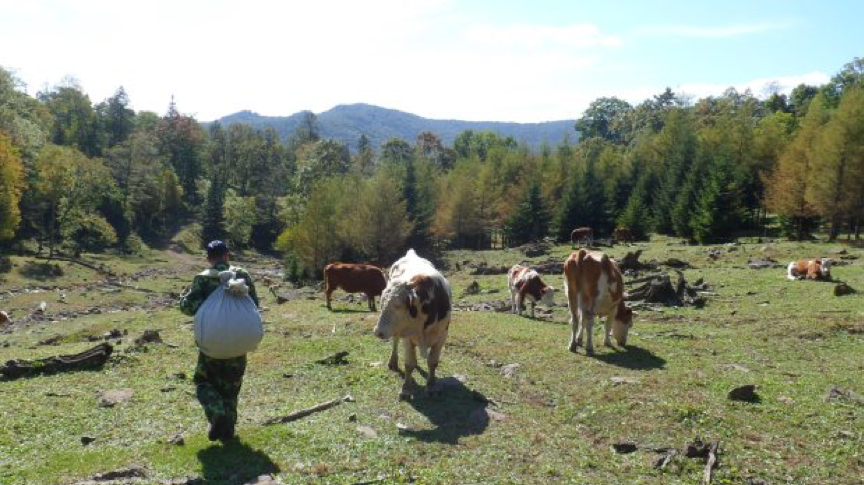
[(216, 248)]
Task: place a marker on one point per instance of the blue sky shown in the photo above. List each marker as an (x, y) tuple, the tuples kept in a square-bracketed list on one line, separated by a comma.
[(476, 60)]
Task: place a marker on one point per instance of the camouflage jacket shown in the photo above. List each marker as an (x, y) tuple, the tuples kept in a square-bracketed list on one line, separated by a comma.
[(207, 281)]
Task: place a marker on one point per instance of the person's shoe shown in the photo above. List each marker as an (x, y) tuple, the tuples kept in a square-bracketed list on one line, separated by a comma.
[(227, 432), (217, 429)]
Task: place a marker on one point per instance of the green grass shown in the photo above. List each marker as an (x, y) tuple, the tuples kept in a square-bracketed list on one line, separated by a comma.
[(561, 411)]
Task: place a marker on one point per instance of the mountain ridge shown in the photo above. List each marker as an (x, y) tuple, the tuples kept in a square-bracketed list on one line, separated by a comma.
[(346, 122)]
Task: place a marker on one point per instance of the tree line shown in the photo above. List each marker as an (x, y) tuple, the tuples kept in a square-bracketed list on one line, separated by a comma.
[(81, 176)]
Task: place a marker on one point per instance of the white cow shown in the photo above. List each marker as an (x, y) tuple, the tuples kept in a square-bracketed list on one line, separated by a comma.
[(415, 307)]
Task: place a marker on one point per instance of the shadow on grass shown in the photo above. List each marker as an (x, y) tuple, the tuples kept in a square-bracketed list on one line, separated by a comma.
[(234, 462), (458, 412), (351, 310), (41, 271), (633, 357)]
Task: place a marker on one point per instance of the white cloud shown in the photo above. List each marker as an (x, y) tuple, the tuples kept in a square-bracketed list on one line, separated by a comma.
[(712, 32), (762, 87), (427, 57), (535, 35)]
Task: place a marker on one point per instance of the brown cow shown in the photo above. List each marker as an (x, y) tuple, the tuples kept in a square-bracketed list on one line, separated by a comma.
[(354, 278), (582, 235), (813, 269), (623, 235), (525, 284), (4, 318), (594, 286)]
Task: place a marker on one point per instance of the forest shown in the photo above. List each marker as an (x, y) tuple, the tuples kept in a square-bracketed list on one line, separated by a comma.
[(78, 176)]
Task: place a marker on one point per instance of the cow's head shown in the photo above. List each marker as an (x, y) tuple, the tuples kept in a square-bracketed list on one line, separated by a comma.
[(826, 269), (408, 308), (399, 309), (622, 323), (548, 297)]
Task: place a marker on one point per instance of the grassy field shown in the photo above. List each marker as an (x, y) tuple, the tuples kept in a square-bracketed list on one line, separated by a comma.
[(552, 420)]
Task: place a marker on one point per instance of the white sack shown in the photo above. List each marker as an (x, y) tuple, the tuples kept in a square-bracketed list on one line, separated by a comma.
[(228, 323)]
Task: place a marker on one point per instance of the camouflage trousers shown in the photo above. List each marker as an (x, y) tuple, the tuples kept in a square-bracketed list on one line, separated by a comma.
[(217, 385)]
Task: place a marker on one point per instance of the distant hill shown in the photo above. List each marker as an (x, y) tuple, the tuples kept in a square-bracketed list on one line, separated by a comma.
[(348, 121)]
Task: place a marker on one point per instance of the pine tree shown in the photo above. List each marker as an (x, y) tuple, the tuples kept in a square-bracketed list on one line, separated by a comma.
[(676, 144), (418, 215), (688, 196), (635, 216), (718, 212), (530, 222), (570, 211), (213, 224)]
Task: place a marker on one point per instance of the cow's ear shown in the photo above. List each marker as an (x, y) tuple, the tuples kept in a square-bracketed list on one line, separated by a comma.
[(412, 303)]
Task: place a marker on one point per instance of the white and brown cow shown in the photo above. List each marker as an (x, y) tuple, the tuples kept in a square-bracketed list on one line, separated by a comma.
[(594, 286), (354, 278), (415, 307), (4, 318), (583, 236), (525, 284), (813, 269)]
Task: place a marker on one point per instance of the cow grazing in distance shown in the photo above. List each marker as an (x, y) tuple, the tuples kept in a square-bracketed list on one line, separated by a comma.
[(415, 308), (4, 318), (354, 278), (525, 284), (594, 286), (583, 236), (623, 235), (813, 269)]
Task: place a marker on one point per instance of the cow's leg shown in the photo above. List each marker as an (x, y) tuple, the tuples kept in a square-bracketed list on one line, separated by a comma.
[(327, 292), (573, 305), (370, 299), (512, 300), (533, 304), (586, 324), (394, 356), (432, 361), (410, 364), (607, 331), (519, 301)]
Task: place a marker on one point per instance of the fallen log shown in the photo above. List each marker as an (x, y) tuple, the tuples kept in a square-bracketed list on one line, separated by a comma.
[(306, 412), (89, 359)]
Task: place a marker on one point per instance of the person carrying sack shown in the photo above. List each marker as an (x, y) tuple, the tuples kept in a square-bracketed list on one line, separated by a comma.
[(227, 326)]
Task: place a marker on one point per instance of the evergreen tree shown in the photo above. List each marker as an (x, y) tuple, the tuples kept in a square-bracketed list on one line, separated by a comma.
[(530, 222), (570, 211), (118, 120), (213, 224), (585, 204), (718, 212), (676, 145), (635, 216), (418, 215)]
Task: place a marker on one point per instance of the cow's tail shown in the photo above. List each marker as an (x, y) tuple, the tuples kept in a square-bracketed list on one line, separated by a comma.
[(424, 351), (326, 278)]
